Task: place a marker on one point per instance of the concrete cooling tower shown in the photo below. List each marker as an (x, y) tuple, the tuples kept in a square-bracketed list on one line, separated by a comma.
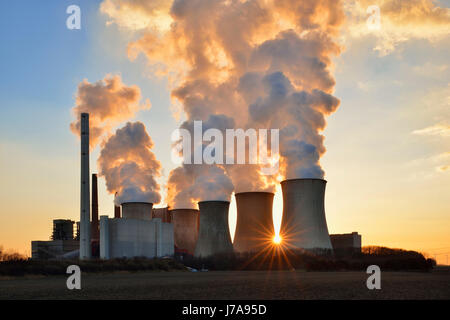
[(137, 210), (162, 213), (214, 234), (304, 224), (185, 228), (254, 226)]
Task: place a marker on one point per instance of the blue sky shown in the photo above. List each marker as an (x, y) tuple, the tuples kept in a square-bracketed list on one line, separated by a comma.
[(41, 63)]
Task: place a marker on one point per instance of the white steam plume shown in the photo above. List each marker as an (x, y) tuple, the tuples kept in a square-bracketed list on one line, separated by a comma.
[(263, 63), (129, 166)]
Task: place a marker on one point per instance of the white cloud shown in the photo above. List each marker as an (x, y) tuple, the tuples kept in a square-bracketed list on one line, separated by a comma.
[(401, 21), (436, 130)]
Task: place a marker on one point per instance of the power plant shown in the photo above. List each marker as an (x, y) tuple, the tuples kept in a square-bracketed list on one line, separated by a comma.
[(213, 234), (139, 230), (304, 224), (254, 225)]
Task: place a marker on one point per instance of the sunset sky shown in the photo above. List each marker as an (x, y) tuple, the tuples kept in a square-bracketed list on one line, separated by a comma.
[(388, 144)]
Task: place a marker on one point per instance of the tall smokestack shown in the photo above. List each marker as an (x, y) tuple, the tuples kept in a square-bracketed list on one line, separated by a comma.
[(94, 225), (116, 209), (304, 224), (185, 228), (116, 212), (85, 217), (213, 234), (254, 225)]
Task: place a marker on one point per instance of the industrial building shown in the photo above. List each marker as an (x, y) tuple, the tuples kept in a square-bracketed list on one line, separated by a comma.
[(62, 243), (62, 229), (55, 249), (136, 234), (346, 243)]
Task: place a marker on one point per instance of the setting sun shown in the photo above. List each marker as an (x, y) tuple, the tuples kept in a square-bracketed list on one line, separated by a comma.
[(277, 239)]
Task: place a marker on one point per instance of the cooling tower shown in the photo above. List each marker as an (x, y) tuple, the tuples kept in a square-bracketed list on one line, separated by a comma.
[(254, 225), (214, 234), (137, 210), (304, 224), (185, 228), (162, 213), (85, 216)]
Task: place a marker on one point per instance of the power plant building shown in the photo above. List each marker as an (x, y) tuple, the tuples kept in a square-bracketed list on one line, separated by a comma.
[(347, 242), (62, 229), (62, 243), (136, 234), (55, 249)]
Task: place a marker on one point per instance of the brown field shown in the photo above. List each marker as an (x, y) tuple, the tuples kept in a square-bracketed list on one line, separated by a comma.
[(234, 285)]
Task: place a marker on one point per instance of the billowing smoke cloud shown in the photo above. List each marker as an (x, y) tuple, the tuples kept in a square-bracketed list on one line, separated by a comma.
[(129, 166), (401, 21), (300, 114), (266, 64), (108, 102), (191, 183)]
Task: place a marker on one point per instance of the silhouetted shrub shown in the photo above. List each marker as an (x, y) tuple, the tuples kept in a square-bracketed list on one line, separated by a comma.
[(59, 267), (314, 260), (271, 259), (11, 255)]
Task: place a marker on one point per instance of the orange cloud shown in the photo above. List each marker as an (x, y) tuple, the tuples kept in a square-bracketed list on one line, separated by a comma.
[(261, 63), (400, 21), (109, 102), (436, 130), (138, 14)]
